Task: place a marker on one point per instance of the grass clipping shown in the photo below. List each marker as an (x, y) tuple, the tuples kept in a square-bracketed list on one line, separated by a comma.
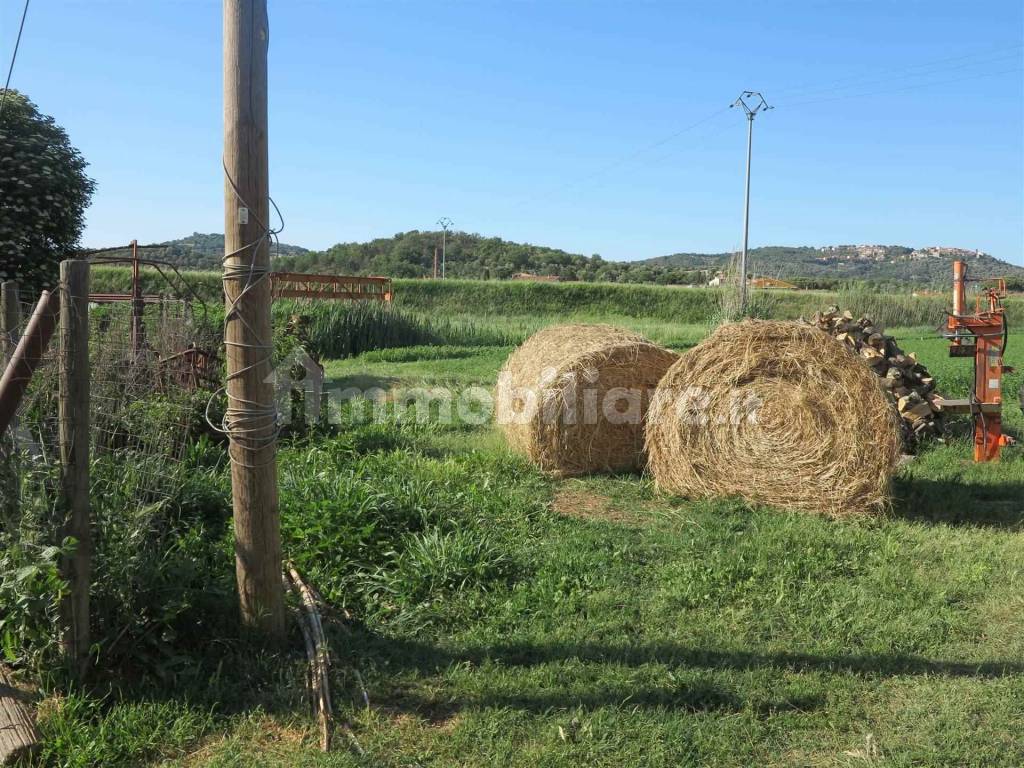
[(777, 413), (574, 397)]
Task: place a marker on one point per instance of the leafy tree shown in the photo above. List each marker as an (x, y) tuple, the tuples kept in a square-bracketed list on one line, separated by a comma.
[(43, 195)]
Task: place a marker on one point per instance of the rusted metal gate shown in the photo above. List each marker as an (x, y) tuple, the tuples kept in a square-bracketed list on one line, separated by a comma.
[(296, 285)]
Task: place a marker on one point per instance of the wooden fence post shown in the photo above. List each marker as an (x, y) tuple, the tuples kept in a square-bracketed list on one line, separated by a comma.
[(73, 417), (10, 317), (10, 325)]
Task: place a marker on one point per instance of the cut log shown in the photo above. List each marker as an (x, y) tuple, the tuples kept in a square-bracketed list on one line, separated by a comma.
[(908, 401), (918, 412), (19, 737), (902, 376)]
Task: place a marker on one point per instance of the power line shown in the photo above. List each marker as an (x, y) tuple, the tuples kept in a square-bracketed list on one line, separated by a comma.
[(654, 145), (14, 56), (625, 159), (855, 81), (913, 87), (825, 93)]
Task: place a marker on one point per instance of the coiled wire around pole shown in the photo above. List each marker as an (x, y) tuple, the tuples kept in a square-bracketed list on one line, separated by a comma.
[(247, 424)]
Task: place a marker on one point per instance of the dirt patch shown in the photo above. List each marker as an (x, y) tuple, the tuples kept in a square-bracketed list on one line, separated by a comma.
[(262, 736), (445, 720), (411, 709), (585, 504)]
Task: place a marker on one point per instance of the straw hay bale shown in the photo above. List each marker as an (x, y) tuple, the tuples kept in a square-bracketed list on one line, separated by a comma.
[(573, 397), (777, 413)]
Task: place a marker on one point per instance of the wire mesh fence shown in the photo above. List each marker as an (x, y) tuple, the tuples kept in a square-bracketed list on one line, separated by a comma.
[(29, 450), (150, 376)]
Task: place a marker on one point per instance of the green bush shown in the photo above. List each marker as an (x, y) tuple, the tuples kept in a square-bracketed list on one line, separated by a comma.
[(31, 590), (162, 565)]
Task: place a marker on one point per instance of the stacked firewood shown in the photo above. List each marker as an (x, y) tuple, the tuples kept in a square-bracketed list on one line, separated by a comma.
[(908, 383)]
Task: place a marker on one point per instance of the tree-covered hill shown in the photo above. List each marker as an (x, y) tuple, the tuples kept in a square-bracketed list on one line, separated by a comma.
[(411, 254), (197, 251), (472, 256), (876, 263)]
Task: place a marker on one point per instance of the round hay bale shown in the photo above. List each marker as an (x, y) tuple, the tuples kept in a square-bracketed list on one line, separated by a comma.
[(777, 413), (574, 397)]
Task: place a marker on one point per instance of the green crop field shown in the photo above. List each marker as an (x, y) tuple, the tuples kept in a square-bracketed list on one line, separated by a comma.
[(673, 304), (496, 616)]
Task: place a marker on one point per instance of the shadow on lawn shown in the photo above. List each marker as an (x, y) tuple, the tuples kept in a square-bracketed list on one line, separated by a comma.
[(431, 659), (701, 697), (960, 502), (428, 660), (360, 381), (272, 683)]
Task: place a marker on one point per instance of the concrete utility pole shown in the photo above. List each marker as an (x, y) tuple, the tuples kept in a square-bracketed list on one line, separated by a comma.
[(251, 417), (445, 224), (752, 103)]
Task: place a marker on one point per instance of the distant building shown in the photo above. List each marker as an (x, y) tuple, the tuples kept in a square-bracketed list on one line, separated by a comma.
[(717, 281), (770, 282), (938, 251), (536, 278), (753, 282)]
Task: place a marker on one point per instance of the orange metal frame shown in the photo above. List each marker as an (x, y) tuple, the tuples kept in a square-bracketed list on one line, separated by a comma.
[(985, 330), (296, 285)]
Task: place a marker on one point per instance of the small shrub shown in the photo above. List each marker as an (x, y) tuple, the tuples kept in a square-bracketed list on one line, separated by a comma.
[(31, 590)]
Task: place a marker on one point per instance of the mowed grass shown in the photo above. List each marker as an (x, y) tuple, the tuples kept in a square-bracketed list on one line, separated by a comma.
[(617, 627)]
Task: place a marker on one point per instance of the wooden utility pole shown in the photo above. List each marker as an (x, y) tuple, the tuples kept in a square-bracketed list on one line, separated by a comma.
[(251, 418), (435, 262), (73, 421)]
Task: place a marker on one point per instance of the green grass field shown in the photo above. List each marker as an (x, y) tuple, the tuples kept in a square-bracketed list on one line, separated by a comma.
[(499, 299), (498, 617)]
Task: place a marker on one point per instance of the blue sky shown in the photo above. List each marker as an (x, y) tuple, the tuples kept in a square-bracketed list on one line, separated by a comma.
[(559, 123)]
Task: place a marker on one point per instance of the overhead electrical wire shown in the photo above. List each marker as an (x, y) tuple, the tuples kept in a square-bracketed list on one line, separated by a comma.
[(834, 90), (653, 145), (902, 89), (934, 66), (14, 56), (624, 159)]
